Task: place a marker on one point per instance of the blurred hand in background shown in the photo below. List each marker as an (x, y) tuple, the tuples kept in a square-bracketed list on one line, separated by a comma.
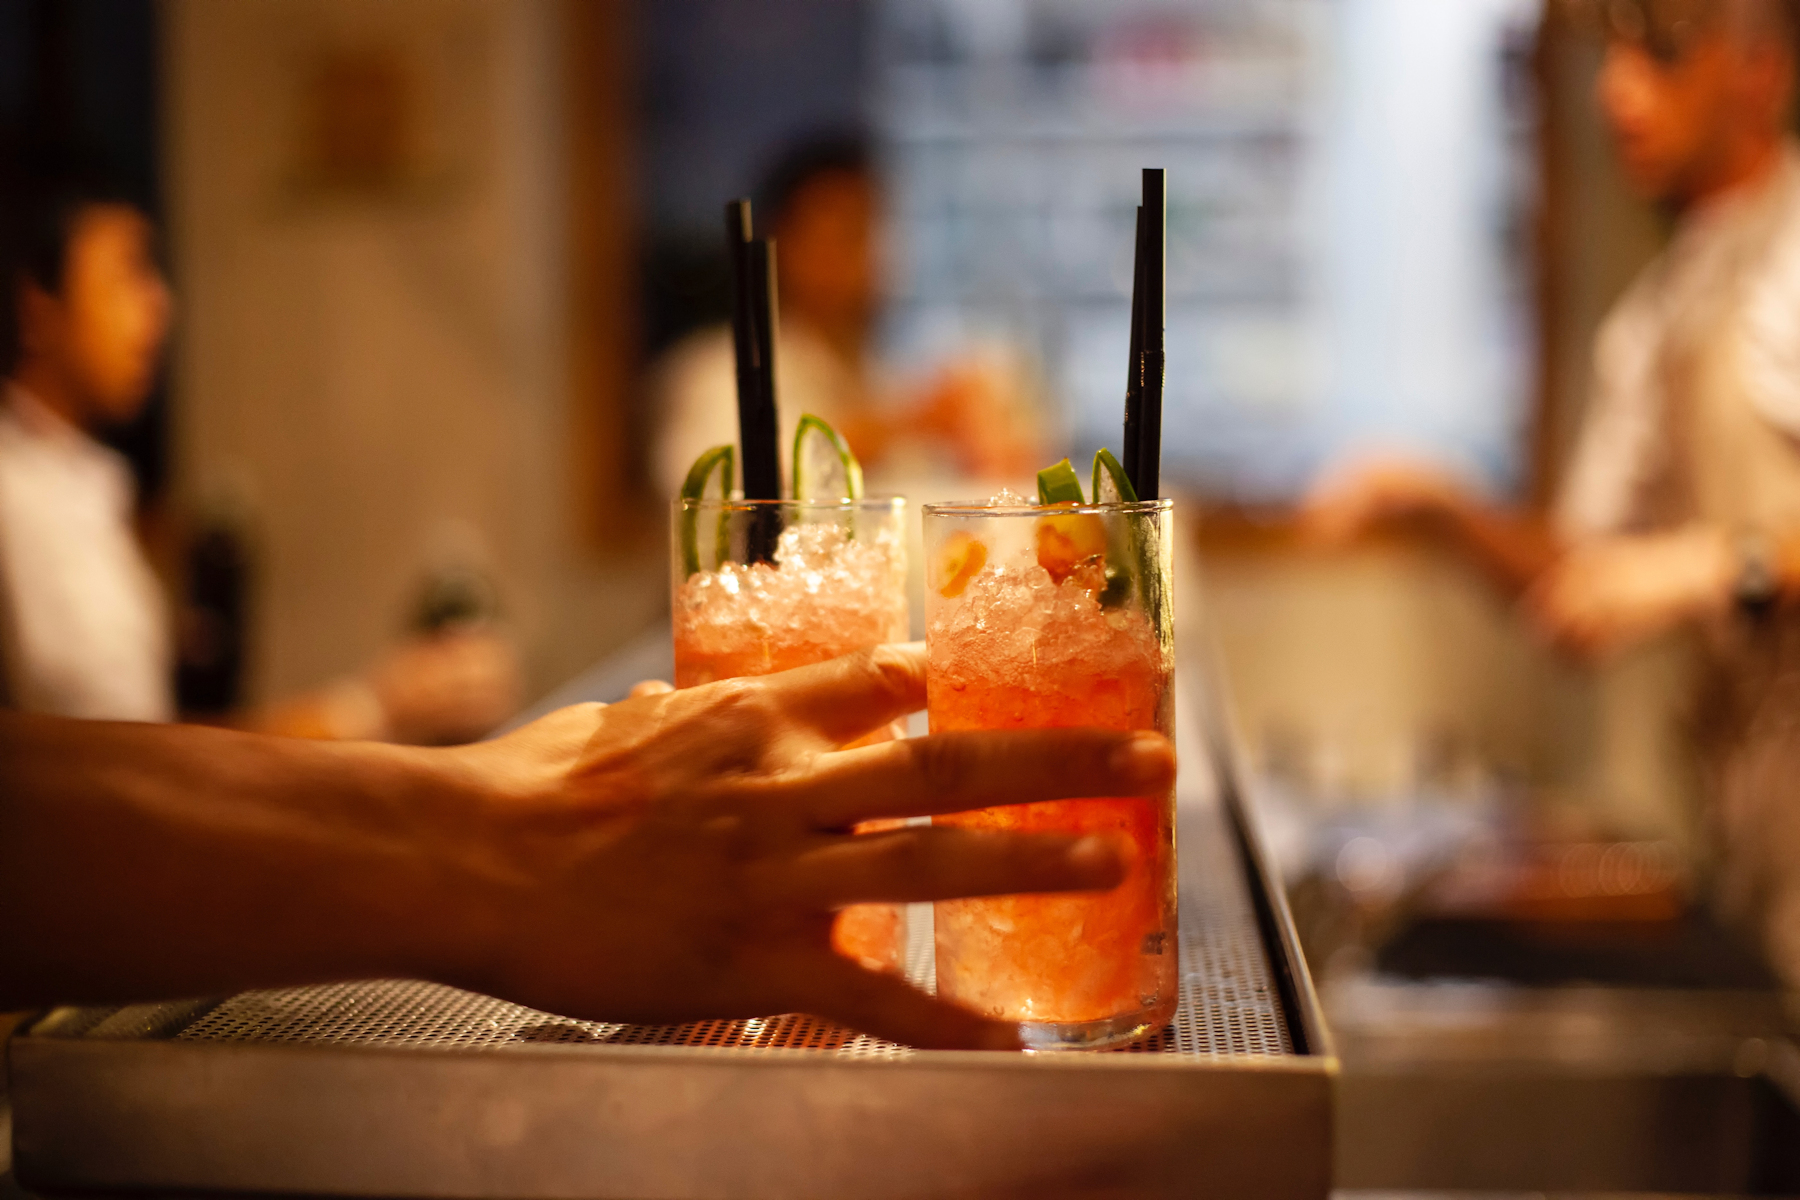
[(434, 689), (1602, 597)]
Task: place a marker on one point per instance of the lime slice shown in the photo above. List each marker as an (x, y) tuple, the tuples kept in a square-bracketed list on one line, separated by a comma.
[(1059, 484), (1110, 484), (824, 467), (718, 463)]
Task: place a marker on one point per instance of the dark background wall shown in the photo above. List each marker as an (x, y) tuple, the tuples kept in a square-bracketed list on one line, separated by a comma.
[(712, 121)]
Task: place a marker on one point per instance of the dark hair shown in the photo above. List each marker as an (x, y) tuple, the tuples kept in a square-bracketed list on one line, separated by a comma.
[(40, 202), (845, 151)]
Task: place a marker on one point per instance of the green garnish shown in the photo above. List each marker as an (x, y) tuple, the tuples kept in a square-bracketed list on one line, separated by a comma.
[(1110, 483), (1059, 485), (720, 462), (1124, 555), (815, 458)]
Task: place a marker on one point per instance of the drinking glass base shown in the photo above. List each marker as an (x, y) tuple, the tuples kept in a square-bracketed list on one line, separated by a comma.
[(1042, 1037)]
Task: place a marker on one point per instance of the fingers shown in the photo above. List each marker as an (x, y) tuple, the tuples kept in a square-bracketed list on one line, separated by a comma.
[(916, 865), (844, 698), (650, 687), (888, 1007), (955, 772)]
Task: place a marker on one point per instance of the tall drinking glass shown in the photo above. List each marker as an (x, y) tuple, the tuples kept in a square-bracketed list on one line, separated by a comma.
[(1043, 617), (764, 585)]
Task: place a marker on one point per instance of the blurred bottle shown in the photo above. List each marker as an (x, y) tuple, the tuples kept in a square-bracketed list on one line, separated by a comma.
[(458, 590), (213, 616)]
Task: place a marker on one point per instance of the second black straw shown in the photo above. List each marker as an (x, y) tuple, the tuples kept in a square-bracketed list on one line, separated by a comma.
[(753, 340), (1142, 449)]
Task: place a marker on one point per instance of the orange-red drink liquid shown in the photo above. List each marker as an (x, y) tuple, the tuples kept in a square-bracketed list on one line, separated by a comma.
[(837, 583), (1051, 618)]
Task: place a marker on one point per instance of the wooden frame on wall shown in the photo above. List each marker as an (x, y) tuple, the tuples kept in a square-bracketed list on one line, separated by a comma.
[(611, 505)]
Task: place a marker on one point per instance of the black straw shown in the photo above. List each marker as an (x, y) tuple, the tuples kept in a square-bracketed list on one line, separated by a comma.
[(753, 339), (752, 320), (1150, 405), (1134, 382)]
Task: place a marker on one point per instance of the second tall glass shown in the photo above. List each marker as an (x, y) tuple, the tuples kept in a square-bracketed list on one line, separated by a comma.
[(1043, 617), (765, 585)]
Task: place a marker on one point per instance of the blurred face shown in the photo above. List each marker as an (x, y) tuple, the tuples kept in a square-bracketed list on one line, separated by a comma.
[(827, 251), (1689, 102), (101, 339)]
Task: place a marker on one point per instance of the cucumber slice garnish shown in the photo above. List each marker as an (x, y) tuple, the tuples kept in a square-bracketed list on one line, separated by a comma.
[(1124, 555), (1059, 485), (718, 463), (824, 467), (1111, 486)]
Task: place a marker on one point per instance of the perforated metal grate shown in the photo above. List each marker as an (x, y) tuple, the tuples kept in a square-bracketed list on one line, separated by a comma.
[(1228, 1002)]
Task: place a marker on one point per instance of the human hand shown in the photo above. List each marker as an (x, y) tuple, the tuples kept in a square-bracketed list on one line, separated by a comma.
[(1377, 494), (448, 687), (680, 856), (1602, 597)]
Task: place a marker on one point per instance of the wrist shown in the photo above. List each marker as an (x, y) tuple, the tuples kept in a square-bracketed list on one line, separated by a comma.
[(1757, 573), (1716, 569), (454, 926), (496, 815)]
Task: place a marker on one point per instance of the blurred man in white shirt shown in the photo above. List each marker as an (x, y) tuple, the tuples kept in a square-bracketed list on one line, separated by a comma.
[(1681, 506), (822, 204), (84, 630)]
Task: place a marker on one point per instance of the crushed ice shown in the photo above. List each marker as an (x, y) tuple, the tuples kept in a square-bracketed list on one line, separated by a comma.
[(824, 589), (1015, 620), (1007, 498)]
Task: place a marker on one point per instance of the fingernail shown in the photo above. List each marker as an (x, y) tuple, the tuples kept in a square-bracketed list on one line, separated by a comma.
[(1144, 761), (1096, 862), (1001, 1037)]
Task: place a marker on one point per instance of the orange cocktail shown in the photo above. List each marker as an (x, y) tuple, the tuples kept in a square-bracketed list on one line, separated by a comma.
[(835, 583), (1042, 617)]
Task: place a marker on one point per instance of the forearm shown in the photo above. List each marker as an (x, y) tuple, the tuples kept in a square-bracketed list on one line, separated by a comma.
[(141, 861), (1512, 549)]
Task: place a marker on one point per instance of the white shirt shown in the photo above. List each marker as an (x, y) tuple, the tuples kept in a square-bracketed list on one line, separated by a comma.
[(1742, 250), (84, 624)]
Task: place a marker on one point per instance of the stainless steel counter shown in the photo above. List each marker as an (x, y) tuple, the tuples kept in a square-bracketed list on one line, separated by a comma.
[(399, 1088)]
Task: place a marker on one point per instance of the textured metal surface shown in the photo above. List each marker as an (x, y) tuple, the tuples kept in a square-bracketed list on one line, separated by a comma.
[(1227, 1003), (409, 1089)]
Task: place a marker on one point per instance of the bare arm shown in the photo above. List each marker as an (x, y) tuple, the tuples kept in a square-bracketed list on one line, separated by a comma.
[(1513, 549), (673, 857), (1591, 597), (143, 861)]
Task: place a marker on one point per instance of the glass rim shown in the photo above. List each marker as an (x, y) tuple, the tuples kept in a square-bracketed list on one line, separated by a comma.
[(739, 504), (981, 508)]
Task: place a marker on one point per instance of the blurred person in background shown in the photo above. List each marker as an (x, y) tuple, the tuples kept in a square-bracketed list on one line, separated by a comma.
[(821, 202), (84, 627), (1681, 506)]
